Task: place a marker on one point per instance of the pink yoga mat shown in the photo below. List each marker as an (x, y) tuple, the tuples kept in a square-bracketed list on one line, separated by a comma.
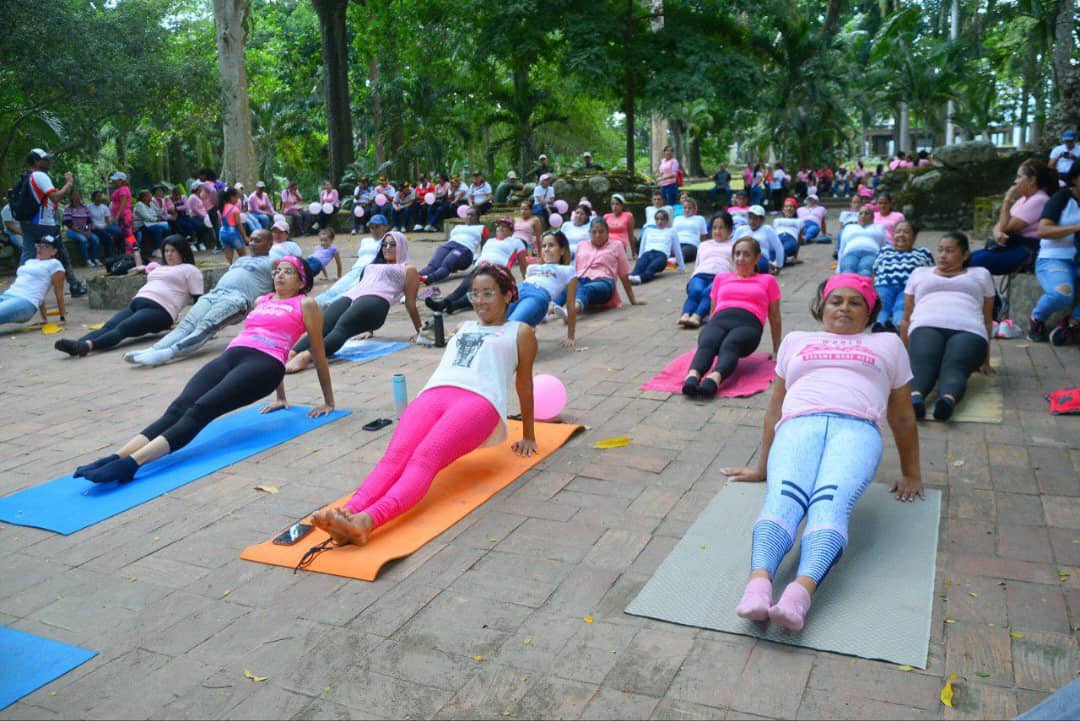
[(752, 376)]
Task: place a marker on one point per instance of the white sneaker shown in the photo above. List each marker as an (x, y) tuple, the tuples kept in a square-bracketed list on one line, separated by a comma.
[(418, 228), (129, 357), (151, 357), (560, 310), (635, 280), (353, 232)]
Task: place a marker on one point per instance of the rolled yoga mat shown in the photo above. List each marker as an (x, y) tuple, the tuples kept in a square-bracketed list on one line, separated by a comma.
[(456, 491), (68, 504), (28, 662), (875, 603)]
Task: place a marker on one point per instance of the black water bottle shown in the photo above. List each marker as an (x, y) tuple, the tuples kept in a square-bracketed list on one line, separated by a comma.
[(440, 333)]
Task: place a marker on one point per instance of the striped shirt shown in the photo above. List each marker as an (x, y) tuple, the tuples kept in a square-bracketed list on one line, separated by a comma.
[(892, 267)]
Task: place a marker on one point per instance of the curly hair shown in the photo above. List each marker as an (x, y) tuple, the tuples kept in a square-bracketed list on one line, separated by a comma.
[(501, 276)]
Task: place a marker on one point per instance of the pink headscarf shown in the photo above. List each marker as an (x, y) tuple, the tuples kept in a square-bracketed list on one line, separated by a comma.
[(295, 262), (859, 283)]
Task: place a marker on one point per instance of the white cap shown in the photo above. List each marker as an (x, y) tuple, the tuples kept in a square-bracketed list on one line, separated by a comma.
[(39, 154), (118, 175), (238, 186), (586, 154), (543, 157), (756, 210), (813, 196), (282, 225), (260, 184), (511, 175)]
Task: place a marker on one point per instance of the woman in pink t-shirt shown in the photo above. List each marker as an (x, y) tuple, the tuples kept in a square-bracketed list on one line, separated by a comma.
[(620, 222), (885, 216), (822, 443), (250, 368), (155, 307), (669, 176), (1016, 233), (714, 257), (948, 313), (741, 301)]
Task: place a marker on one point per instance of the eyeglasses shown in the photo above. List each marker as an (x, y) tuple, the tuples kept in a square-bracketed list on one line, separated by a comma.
[(475, 295)]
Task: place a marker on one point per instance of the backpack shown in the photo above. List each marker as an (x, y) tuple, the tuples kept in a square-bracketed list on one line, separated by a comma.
[(24, 206)]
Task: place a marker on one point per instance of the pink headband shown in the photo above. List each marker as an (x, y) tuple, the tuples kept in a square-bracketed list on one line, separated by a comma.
[(295, 262), (861, 284)]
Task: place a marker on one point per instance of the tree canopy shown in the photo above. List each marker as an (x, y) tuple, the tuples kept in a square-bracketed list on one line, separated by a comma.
[(339, 88)]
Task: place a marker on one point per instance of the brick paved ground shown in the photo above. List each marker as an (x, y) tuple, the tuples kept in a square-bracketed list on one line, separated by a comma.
[(161, 593)]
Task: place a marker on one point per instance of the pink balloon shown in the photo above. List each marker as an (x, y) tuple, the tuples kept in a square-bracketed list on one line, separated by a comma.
[(555, 220), (358, 211), (430, 198), (462, 211), (314, 208), (328, 208), (562, 206), (549, 397), (380, 199)]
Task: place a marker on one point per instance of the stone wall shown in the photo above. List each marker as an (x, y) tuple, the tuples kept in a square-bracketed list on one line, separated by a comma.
[(114, 292), (943, 197)]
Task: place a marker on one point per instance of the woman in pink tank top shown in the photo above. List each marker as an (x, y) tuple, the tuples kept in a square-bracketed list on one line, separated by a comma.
[(529, 229), (621, 224), (250, 368), (364, 307)]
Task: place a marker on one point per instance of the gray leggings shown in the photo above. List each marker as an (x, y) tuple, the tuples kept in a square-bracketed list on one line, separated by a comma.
[(945, 357)]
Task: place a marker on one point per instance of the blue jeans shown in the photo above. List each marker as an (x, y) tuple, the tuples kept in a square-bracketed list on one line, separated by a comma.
[(757, 195), (719, 193), (650, 264), (531, 305), (15, 240), (818, 466), (698, 301), (763, 264), (89, 242), (1058, 278), (449, 257), (858, 261), (1002, 261), (403, 218), (671, 193), (790, 243), (15, 310), (435, 212), (261, 218), (892, 303), (590, 291), (231, 238), (540, 211)]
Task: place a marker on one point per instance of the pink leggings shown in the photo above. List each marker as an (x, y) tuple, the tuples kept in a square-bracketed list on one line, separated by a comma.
[(441, 425)]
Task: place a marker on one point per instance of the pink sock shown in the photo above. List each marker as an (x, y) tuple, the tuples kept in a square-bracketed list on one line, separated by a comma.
[(756, 600), (790, 610)]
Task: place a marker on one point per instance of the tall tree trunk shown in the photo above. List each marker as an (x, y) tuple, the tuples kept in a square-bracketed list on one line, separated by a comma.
[(903, 130), (520, 78), (376, 112), (832, 19), (628, 97), (694, 155), (1063, 46), (335, 57), (231, 22)]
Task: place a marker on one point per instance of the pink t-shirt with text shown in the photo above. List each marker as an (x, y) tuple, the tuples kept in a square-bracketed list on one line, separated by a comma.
[(833, 373), (754, 293), (273, 326), (953, 303)]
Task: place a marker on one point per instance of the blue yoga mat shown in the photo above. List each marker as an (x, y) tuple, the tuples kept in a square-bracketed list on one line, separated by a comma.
[(28, 662), (68, 504), (359, 351)]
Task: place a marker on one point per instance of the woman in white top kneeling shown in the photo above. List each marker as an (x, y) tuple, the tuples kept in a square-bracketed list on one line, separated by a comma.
[(462, 407)]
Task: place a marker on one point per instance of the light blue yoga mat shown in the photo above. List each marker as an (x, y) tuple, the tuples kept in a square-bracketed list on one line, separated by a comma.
[(28, 662), (360, 351), (876, 603), (68, 504)]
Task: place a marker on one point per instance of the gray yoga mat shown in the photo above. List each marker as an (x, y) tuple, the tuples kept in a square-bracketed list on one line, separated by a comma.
[(875, 603)]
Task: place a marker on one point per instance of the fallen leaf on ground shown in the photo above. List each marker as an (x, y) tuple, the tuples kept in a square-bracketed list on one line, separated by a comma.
[(949, 620), (51, 328), (587, 619), (616, 442), (267, 489), (253, 677), (477, 658), (227, 592), (958, 463), (527, 641), (973, 594), (948, 691), (95, 326), (906, 668), (1016, 635), (982, 674)]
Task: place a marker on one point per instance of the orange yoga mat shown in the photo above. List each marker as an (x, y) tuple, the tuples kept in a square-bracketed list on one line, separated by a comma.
[(456, 491)]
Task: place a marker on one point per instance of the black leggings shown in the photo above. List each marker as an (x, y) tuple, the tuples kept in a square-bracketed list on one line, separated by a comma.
[(946, 357), (689, 252), (731, 334), (345, 318), (458, 299), (142, 316), (234, 379)]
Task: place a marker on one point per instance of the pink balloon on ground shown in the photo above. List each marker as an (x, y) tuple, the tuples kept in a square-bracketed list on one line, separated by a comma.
[(429, 198), (314, 208), (555, 220), (562, 206), (358, 211), (380, 199), (462, 211), (328, 208), (549, 397)]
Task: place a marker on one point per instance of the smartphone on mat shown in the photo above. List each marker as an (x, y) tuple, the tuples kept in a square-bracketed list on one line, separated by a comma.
[(293, 534), (377, 424)]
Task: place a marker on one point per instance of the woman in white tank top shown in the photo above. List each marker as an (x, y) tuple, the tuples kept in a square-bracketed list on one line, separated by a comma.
[(462, 407)]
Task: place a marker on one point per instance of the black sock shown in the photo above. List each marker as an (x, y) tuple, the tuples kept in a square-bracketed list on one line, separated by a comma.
[(944, 408), (707, 388), (919, 403), (81, 470), (121, 470), (690, 386)]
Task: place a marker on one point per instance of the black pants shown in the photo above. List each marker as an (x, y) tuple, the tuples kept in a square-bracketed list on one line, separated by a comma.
[(458, 299), (449, 257), (142, 316), (945, 357), (689, 252), (345, 318), (731, 334), (234, 379)]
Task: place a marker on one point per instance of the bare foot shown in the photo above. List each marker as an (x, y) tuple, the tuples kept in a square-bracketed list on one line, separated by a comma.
[(344, 527), (365, 336), (298, 362)]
